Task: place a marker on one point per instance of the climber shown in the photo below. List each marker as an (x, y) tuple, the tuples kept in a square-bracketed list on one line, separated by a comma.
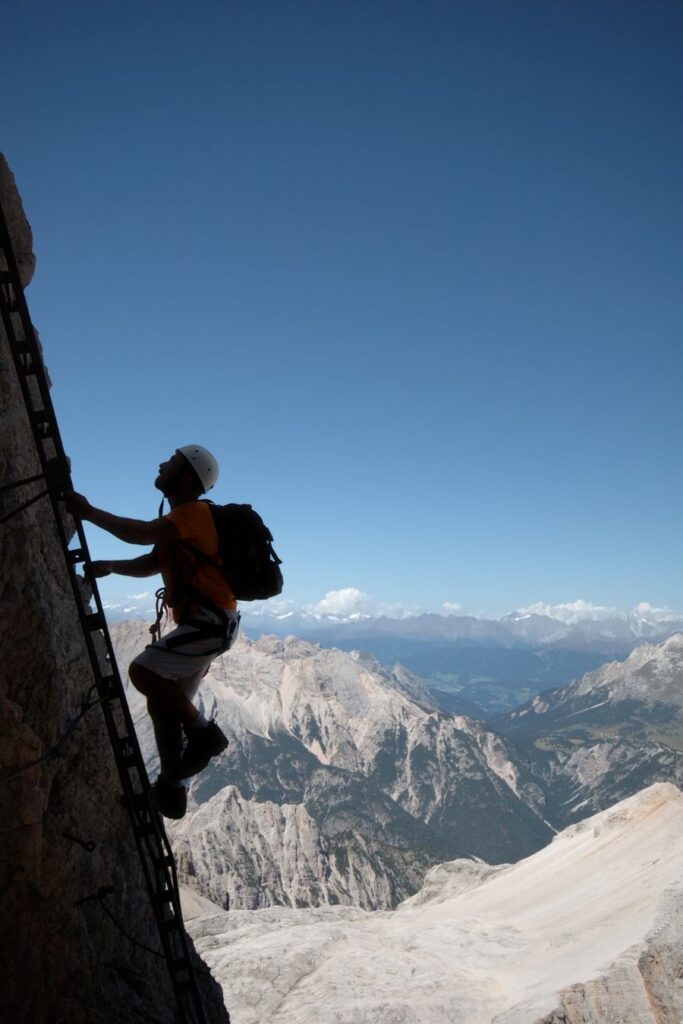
[(169, 670)]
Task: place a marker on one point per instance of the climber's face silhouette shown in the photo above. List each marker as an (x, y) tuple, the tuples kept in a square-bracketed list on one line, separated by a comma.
[(171, 473)]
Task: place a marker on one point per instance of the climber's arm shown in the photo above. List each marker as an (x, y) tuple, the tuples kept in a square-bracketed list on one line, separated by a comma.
[(145, 565), (132, 531)]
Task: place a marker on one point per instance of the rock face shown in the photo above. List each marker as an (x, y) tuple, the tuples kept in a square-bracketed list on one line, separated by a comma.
[(342, 782), (243, 853), (605, 736), (652, 673), (62, 960), (588, 930)]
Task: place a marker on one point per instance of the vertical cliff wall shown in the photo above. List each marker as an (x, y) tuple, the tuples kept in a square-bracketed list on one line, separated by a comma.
[(61, 960)]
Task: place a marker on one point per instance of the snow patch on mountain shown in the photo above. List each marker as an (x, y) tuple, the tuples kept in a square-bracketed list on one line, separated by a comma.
[(348, 616)]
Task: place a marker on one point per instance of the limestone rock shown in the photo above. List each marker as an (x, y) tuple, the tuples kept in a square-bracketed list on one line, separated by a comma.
[(62, 961), (18, 225), (341, 784), (588, 930)]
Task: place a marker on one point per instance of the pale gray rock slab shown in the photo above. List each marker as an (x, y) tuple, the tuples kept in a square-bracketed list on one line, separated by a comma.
[(589, 929)]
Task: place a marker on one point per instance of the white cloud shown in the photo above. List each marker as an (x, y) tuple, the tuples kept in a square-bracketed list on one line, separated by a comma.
[(138, 597), (645, 610), (571, 612), (349, 603), (345, 602), (276, 607), (451, 608), (353, 603)]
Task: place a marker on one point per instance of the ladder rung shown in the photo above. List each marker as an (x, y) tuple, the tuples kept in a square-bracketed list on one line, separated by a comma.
[(9, 294), (146, 808), (94, 621), (27, 365), (129, 758), (181, 964), (76, 555), (163, 861), (43, 423), (108, 684), (142, 827), (147, 828)]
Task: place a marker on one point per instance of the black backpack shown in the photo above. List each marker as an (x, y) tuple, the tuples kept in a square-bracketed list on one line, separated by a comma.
[(250, 564)]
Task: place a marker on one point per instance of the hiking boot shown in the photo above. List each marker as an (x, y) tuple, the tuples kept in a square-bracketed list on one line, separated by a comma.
[(171, 801), (202, 745)]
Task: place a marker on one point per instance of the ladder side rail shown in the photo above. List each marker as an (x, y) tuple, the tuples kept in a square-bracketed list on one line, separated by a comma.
[(160, 877), (30, 341), (39, 372), (131, 736), (161, 862), (157, 887), (146, 852)]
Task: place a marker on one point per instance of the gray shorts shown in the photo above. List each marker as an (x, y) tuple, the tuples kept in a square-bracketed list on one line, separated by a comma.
[(192, 664)]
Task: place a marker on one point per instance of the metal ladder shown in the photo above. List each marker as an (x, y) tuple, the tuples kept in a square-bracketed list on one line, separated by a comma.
[(154, 849)]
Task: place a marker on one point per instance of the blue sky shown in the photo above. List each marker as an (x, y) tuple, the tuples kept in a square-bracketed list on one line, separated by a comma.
[(412, 270)]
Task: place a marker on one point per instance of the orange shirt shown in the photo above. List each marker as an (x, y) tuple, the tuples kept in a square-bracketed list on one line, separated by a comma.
[(180, 568)]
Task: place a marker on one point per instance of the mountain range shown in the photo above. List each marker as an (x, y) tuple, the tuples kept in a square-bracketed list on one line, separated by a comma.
[(344, 781), (474, 666), (519, 628), (482, 667), (581, 630), (605, 735)]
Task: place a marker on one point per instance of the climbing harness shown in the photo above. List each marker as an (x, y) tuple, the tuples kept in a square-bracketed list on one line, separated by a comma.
[(223, 627), (154, 850), (222, 631)]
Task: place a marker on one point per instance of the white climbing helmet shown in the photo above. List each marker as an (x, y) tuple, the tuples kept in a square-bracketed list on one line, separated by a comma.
[(202, 462)]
